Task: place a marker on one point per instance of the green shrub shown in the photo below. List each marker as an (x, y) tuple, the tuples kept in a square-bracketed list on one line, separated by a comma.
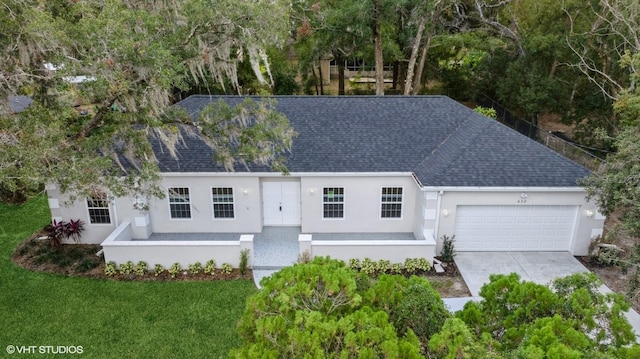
[(486, 111), (210, 267), (158, 269), (226, 268), (424, 264), (141, 268), (244, 261), (396, 268), (86, 265), (419, 309), (110, 269), (195, 268), (175, 269), (448, 249), (410, 265), (126, 268), (333, 315), (368, 266), (383, 266), (354, 263)]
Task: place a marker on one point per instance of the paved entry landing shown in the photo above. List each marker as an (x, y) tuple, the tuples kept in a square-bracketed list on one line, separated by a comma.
[(538, 267), (273, 249)]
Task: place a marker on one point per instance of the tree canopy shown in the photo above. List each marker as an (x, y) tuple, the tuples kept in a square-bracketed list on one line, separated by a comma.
[(323, 309), (102, 75)]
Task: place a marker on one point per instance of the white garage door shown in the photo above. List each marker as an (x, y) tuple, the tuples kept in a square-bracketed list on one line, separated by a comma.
[(514, 228)]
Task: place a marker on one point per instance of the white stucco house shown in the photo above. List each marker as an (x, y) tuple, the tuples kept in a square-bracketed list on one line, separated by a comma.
[(406, 170)]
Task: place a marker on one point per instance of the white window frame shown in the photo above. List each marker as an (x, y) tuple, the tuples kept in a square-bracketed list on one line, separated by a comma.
[(89, 208), (401, 202), (232, 203), (169, 203), (343, 202)]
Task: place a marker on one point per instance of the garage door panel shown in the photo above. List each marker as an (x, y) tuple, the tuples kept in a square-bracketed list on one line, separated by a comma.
[(514, 228)]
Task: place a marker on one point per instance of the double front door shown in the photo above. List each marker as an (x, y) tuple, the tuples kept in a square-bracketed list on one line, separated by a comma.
[(281, 203)]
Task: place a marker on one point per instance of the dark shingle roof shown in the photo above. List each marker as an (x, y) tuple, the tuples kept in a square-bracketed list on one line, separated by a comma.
[(19, 103), (443, 142)]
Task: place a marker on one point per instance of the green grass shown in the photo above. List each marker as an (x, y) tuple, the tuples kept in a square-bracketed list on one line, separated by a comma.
[(110, 319)]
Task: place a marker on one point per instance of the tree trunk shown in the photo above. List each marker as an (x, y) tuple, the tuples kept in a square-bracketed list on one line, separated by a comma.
[(396, 74), (321, 79), (315, 80), (408, 82), (554, 67), (340, 76), (423, 59), (377, 48)]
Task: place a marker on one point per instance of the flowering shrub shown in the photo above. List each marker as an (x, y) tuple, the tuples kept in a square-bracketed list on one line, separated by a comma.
[(368, 266), (110, 269), (141, 268), (158, 269), (175, 269), (126, 268), (210, 267), (354, 263), (226, 268), (383, 265), (195, 268)]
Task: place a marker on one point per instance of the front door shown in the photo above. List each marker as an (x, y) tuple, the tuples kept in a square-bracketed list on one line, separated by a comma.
[(281, 203)]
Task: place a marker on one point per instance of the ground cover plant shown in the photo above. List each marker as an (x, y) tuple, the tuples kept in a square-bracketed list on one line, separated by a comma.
[(108, 318)]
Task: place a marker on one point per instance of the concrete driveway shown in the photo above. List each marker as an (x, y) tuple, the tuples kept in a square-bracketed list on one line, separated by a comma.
[(538, 267)]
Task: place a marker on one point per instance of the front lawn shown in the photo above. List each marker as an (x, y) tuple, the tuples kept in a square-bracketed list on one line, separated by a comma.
[(110, 319)]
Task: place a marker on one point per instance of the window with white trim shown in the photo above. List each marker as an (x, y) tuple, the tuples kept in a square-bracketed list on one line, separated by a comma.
[(179, 203), (98, 207), (222, 198), (391, 202), (333, 202)]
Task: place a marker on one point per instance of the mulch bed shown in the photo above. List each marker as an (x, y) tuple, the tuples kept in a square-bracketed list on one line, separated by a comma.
[(80, 260)]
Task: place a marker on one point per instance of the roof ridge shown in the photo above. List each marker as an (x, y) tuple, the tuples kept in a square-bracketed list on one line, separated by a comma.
[(444, 141)]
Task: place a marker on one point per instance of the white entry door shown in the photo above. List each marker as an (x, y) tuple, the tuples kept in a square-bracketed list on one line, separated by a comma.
[(281, 203), (514, 228)]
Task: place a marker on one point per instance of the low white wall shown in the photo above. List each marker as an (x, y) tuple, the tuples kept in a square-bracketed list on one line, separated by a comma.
[(396, 251), (119, 248)]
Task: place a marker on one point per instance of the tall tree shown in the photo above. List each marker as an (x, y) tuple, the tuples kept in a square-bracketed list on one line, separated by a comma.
[(425, 20), (377, 45), (609, 56), (119, 62), (335, 28)]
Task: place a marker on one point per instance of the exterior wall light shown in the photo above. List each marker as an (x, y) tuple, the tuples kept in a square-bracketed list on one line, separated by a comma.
[(312, 191), (445, 213), (245, 191), (589, 213)]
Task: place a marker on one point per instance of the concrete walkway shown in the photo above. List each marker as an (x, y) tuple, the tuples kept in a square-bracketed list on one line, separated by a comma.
[(274, 249), (538, 267)]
